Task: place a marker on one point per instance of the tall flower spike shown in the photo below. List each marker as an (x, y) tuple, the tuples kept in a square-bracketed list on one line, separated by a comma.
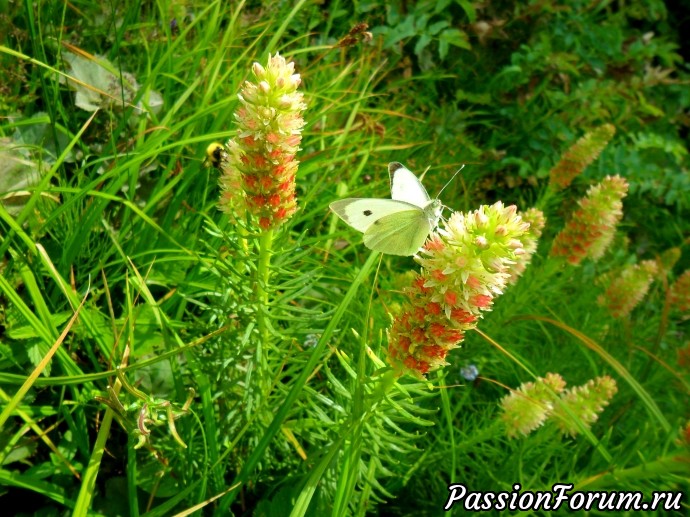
[(580, 155), (584, 403), (261, 157), (528, 407), (680, 293), (592, 226), (627, 289), (465, 265), (534, 403), (530, 240)]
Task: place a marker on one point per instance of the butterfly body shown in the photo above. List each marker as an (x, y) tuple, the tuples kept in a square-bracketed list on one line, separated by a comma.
[(396, 226)]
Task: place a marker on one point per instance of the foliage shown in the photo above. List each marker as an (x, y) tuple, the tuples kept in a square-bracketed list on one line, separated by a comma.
[(160, 355)]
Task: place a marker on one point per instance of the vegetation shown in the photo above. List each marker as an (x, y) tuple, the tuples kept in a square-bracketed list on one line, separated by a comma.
[(190, 333)]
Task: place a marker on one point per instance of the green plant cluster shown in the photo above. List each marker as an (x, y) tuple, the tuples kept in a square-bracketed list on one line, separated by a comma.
[(134, 377)]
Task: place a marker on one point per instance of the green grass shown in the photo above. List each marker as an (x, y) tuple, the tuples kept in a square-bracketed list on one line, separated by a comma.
[(123, 285)]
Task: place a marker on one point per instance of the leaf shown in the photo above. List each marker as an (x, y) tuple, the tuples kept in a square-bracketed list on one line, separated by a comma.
[(441, 6), (435, 28), (106, 87), (17, 174), (420, 23), (99, 84), (98, 324), (37, 131), (115, 500), (473, 97), (421, 44), (469, 10), (49, 490), (457, 38), (156, 379), (454, 37), (35, 351), (402, 31), (29, 332), (442, 49), (151, 478), (147, 335), (20, 453)]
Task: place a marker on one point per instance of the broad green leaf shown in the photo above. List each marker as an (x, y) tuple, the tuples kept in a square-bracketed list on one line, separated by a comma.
[(456, 38), (469, 9), (436, 27), (421, 44)]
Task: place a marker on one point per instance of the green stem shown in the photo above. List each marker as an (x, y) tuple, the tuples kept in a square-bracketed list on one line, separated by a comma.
[(316, 355), (663, 326), (83, 503), (132, 479), (448, 415), (261, 292), (350, 467), (670, 464)]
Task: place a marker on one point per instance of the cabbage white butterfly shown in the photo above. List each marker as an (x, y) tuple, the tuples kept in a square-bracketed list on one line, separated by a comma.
[(397, 226)]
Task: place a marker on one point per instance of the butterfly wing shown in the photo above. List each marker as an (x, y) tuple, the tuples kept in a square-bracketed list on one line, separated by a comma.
[(400, 233), (360, 213), (406, 187)]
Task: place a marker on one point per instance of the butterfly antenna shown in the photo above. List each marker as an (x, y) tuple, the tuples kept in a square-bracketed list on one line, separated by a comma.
[(449, 181)]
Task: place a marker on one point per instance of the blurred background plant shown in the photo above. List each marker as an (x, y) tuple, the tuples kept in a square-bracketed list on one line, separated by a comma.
[(106, 113)]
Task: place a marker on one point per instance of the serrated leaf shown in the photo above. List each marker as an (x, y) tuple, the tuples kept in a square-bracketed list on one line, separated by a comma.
[(35, 351), (29, 332)]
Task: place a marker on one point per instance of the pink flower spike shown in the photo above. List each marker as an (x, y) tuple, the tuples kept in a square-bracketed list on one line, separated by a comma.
[(261, 157), (465, 265)]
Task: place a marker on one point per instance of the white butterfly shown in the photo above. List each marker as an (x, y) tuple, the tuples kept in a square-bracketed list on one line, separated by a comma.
[(397, 226)]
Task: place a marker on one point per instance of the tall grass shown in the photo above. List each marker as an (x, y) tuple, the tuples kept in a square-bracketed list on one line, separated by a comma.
[(159, 357)]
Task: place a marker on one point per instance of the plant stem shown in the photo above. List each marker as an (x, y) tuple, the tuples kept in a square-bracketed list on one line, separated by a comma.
[(307, 370), (83, 504), (132, 479), (670, 464), (448, 415), (262, 312), (88, 483), (349, 468)]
